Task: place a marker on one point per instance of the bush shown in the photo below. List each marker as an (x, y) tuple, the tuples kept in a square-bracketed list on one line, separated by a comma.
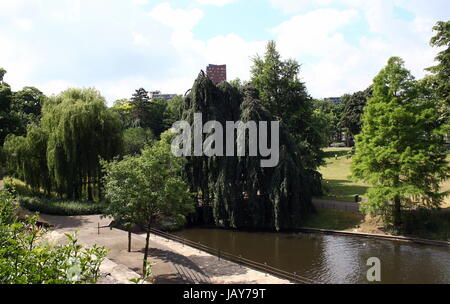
[(172, 223), (18, 187), (61, 206), (425, 223), (25, 257)]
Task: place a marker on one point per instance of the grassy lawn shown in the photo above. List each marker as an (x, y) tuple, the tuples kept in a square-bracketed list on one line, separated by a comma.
[(336, 181), (334, 220), (337, 184), (60, 206)]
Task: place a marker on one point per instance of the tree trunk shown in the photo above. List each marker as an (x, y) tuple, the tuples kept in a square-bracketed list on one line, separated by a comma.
[(146, 249), (129, 239)]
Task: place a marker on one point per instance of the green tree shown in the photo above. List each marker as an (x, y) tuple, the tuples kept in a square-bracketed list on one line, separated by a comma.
[(124, 109), (326, 120), (2, 74), (353, 109), (438, 82), (139, 102), (156, 117), (148, 186), (122, 190), (27, 158), (174, 110), (9, 122), (243, 194), (81, 130), (135, 139), (18, 109), (286, 98), (146, 113), (28, 104), (400, 150)]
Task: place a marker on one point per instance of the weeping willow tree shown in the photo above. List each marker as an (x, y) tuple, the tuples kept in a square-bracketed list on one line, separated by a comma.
[(81, 131), (244, 194), (26, 158)]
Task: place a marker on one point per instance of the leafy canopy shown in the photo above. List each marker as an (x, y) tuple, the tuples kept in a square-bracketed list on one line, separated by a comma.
[(400, 150), (286, 98), (26, 258)]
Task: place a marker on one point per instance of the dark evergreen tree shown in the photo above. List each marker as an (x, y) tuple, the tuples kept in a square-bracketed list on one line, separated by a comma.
[(244, 194), (352, 113), (286, 98)]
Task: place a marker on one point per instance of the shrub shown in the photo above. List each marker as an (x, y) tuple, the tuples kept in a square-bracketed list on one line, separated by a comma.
[(61, 206), (172, 223), (432, 224), (25, 257)]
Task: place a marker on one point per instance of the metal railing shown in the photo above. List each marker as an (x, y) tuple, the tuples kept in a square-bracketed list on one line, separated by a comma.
[(293, 277)]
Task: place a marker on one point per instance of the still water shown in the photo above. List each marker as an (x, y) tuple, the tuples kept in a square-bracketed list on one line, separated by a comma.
[(332, 258)]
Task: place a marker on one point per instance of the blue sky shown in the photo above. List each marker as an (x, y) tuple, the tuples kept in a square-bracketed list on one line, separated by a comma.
[(118, 46)]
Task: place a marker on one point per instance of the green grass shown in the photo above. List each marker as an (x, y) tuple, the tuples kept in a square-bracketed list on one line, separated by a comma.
[(336, 181), (60, 206), (35, 201), (338, 185), (334, 219)]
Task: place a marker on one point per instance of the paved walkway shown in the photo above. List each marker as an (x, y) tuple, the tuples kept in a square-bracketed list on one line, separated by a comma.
[(175, 263)]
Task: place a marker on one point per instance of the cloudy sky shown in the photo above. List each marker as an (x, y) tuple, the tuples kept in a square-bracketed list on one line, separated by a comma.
[(118, 46)]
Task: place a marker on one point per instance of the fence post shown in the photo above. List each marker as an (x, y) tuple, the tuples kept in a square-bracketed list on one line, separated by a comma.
[(240, 262), (218, 254), (98, 228), (265, 273)]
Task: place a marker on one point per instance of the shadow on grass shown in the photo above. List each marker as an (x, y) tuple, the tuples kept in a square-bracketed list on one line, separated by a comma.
[(342, 190), (334, 219)]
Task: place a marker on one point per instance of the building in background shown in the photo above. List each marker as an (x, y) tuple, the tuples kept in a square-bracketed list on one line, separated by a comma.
[(217, 73), (157, 94)]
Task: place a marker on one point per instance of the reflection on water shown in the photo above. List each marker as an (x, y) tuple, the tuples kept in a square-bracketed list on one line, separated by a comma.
[(332, 258)]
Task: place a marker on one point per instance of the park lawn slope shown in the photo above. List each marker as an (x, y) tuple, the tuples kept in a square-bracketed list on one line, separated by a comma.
[(337, 184)]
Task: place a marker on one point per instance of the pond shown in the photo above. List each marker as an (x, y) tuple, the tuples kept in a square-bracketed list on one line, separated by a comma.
[(332, 258)]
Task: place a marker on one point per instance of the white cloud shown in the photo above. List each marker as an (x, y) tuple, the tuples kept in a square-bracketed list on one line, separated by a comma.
[(230, 49), (216, 2), (120, 46), (334, 65), (24, 23), (293, 6), (140, 2), (54, 87), (140, 39), (314, 33), (178, 19)]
